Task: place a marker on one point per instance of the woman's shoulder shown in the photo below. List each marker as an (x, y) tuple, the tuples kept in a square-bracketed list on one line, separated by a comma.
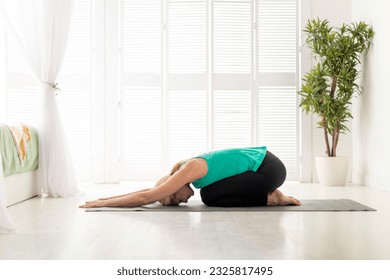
[(195, 167), (195, 163)]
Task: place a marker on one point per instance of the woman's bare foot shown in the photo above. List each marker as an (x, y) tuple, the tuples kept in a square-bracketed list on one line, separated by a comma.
[(276, 198)]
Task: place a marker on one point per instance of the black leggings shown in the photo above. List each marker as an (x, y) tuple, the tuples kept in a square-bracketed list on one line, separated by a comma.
[(248, 188)]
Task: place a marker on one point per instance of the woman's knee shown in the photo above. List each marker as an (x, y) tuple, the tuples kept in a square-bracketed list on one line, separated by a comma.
[(207, 201), (207, 197), (203, 196)]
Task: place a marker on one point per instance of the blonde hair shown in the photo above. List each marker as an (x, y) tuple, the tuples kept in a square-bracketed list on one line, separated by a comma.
[(176, 167)]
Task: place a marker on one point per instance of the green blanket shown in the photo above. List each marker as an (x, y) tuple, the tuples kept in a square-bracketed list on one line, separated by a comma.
[(11, 162)]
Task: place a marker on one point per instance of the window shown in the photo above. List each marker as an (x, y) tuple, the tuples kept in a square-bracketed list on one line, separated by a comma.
[(220, 74), (146, 83)]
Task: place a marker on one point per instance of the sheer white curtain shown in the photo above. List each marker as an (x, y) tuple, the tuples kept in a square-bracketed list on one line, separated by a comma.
[(40, 29)]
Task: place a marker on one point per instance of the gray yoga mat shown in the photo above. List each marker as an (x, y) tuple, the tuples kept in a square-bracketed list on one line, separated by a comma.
[(324, 205)]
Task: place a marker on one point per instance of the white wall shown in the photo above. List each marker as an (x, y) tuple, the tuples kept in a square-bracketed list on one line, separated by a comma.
[(337, 12), (371, 131)]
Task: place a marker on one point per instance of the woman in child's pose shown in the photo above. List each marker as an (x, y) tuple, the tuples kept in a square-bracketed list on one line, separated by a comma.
[(226, 178)]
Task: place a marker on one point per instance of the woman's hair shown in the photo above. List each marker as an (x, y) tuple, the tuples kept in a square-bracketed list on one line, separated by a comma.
[(176, 167)]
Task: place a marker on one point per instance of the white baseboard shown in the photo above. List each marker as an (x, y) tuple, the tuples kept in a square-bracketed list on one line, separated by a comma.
[(371, 180)]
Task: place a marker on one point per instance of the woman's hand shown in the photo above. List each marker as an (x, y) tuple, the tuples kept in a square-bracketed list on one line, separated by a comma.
[(93, 204)]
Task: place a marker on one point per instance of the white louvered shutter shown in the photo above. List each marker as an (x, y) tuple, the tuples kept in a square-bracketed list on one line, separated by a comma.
[(141, 111), (198, 76), (276, 80), (21, 89), (187, 79), (231, 73)]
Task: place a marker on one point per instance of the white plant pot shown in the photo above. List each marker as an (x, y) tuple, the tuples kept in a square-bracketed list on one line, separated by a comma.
[(332, 171)]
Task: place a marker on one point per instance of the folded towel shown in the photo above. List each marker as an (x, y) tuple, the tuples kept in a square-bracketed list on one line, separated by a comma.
[(21, 135)]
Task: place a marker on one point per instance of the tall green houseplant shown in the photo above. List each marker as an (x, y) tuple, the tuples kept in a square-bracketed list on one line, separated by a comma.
[(329, 86)]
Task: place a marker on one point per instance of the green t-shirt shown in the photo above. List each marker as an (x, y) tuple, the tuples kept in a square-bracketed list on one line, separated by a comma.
[(226, 163)]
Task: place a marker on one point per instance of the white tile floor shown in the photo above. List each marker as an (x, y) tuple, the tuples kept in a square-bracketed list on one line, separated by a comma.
[(58, 229)]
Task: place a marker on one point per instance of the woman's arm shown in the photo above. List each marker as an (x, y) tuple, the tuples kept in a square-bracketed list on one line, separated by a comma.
[(191, 171), (132, 199), (159, 182), (110, 197)]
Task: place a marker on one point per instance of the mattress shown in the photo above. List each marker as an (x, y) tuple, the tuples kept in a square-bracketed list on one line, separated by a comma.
[(12, 164)]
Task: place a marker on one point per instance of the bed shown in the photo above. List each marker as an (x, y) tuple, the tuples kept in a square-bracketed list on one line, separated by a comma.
[(19, 155)]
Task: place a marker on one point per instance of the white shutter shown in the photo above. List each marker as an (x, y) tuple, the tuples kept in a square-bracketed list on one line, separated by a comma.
[(232, 36), (232, 119), (277, 35), (21, 89), (141, 133), (231, 83), (141, 36), (187, 79), (187, 36), (278, 124), (22, 104), (15, 63), (276, 80), (78, 51), (141, 90), (202, 94), (21, 92), (187, 124)]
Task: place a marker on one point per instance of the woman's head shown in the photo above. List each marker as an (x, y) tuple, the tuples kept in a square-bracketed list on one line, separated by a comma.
[(182, 195)]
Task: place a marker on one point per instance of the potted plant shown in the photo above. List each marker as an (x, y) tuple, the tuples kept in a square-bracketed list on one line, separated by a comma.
[(328, 88)]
